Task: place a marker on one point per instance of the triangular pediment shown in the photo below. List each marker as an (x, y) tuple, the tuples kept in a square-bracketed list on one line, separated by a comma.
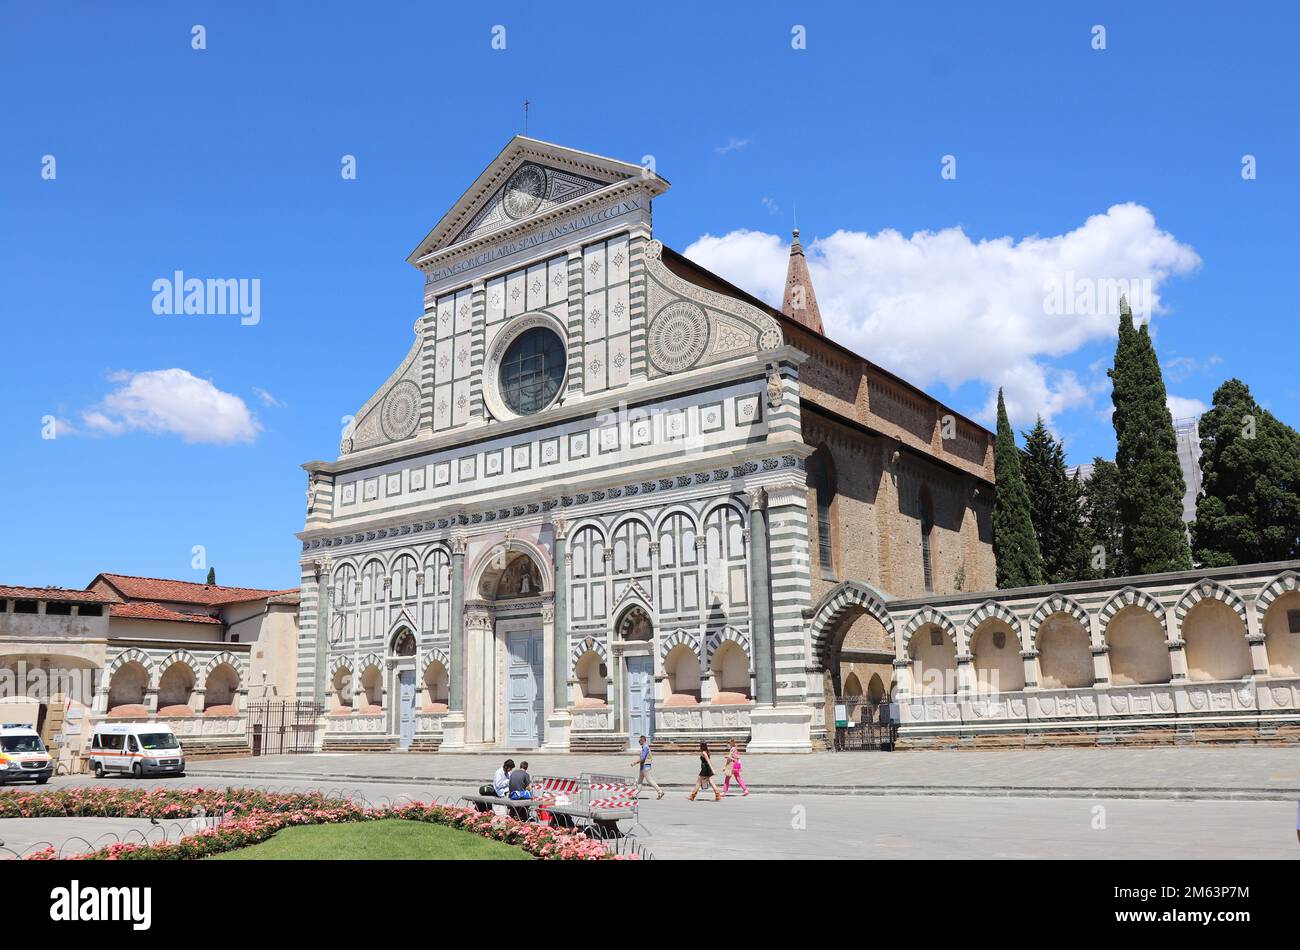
[(528, 179)]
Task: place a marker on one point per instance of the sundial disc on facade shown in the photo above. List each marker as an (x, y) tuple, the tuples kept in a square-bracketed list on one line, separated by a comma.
[(678, 336), (524, 191), (400, 413)]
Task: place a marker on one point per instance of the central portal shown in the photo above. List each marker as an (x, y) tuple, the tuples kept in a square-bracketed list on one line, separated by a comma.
[(525, 693)]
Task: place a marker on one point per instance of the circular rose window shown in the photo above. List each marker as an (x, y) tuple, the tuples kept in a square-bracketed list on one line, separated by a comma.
[(532, 371)]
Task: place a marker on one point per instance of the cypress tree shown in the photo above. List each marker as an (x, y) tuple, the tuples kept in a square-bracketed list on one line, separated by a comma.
[(212, 577), (1151, 485), (1249, 509), (1014, 546), (1103, 531), (1053, 506)]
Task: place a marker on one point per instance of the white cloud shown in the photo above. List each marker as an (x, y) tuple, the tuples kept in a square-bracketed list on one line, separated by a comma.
[(733, 145), (1181, 407), (940, 307), (175, 402), (1180, 367), (267, 398)]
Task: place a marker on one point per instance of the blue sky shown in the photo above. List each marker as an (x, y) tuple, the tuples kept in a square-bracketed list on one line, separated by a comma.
[(225, 162)]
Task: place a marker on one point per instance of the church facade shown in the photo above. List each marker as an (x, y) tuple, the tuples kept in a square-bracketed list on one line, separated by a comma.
[(604, 490)]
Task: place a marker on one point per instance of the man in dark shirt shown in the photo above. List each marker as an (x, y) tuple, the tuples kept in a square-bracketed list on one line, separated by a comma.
[(519, 782)]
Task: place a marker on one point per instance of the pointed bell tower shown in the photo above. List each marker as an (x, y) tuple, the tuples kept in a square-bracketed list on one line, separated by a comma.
[(800, 302)]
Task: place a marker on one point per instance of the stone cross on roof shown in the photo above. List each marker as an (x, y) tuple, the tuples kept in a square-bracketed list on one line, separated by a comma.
[(800, 302)]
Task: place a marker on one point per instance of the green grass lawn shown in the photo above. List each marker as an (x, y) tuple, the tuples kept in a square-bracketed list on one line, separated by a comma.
[(389, 839)]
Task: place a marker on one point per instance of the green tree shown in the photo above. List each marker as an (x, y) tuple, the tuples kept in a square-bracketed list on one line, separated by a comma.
[(1103, 529), (1015, 548), (1054, 507), (1249, 508), (1151, 483), (212, 577)]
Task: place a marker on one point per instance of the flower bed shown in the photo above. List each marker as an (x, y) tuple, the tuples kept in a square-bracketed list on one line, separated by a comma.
[(252, 816)]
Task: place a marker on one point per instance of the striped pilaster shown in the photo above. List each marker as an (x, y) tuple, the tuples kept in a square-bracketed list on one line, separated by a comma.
[(427, 346), (787, 518), (479, 318), (637, 316), (307, 632), (575, 321)]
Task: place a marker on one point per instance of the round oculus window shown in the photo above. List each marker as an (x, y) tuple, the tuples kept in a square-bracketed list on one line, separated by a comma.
[(532, 371)]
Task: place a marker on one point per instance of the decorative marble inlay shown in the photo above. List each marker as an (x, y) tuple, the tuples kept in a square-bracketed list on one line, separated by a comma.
[(401, 411), (678, 337), (524, 191)]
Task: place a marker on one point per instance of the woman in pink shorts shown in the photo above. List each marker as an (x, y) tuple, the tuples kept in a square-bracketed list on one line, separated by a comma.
[(732, 769)]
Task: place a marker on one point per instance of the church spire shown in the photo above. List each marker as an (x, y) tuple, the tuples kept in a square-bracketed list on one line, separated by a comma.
[(800, 302)]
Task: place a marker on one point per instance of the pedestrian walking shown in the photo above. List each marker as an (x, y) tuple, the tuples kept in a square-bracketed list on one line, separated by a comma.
[(732, 769), (645, 763), (706, 775)]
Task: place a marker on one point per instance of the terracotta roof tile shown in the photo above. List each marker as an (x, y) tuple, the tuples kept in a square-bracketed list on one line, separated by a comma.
[(53, 593), (184, 592), (149, 611)]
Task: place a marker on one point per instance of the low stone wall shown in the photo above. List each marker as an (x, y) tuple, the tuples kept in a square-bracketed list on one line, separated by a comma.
[(1264, 710)]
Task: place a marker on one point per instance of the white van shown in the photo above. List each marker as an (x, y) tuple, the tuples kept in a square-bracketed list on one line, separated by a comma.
[(23, 755), (135, 748)]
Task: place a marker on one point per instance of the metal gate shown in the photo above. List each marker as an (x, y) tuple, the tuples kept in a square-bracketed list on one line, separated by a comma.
[(866, 725), (282, 728)]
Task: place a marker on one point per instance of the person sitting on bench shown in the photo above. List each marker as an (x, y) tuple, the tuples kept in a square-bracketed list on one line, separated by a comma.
[(500, 786), (519, 782)]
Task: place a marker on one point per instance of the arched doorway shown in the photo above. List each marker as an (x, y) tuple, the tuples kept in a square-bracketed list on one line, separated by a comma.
[(634, 641), (852, 635), (509, 646), (403, 648)]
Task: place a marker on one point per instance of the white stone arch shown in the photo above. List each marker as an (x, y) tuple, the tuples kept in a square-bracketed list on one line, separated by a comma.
[(179, 656), (134, 655), (371, 659), (731, 501), (428, 552), (624, 518), (1212, 590), (584, 646), (404, 621), (1058, 604), (174, 659), (844, 597), (678, 508), (993, 610), (1128, 597), (234, 661), (340, 663), (485, 562), (930, 616), (727, 635), (590, 521), (430, 655), (1284, 583), (630, 599), (676, 639)]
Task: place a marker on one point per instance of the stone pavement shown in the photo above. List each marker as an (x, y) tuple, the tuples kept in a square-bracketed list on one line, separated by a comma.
[(73, 836), (1270, 773), (808, 825)]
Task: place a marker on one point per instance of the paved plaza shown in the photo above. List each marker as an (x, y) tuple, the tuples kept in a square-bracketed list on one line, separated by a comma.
[(1228, 772), (1185, 803)]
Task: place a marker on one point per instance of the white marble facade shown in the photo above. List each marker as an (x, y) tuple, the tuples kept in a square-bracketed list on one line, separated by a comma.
[(575, 511)]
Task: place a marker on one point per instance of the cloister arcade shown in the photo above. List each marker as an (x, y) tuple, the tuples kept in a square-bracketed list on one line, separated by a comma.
[(1197, 651)]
